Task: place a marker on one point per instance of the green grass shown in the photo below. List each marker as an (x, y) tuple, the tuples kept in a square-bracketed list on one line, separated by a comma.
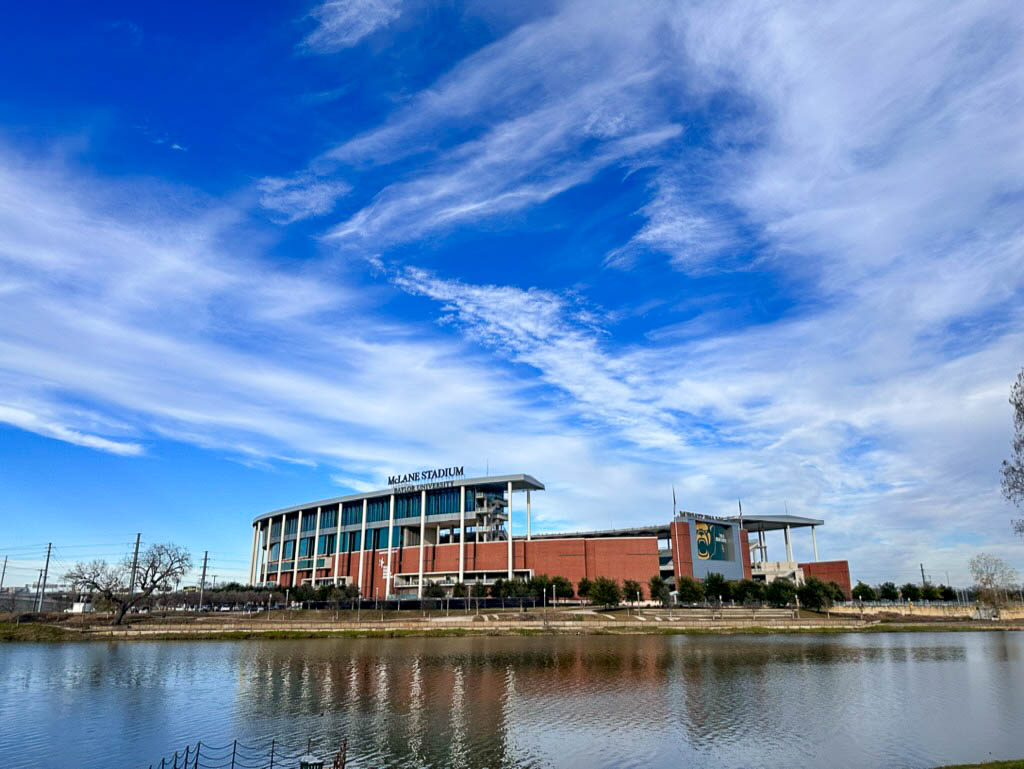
[(1015, 764), (29, 631)]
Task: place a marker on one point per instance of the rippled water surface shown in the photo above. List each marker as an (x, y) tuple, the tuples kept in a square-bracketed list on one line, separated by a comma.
[(887, 700)]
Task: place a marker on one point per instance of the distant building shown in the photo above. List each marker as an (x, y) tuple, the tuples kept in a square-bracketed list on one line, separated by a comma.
[(445, 529)]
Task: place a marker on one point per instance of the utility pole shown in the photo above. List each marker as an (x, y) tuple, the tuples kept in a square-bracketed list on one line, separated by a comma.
[(924, 582), (135, 564), (46, 573), (202, 581), (39, 584), (3, 573)]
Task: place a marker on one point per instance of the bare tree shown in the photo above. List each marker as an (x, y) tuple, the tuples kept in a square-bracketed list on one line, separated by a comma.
[(1013, 468), (991, 575), (158, 569)]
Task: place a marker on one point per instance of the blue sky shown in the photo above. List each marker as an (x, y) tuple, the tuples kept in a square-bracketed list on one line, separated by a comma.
[(256, 255)]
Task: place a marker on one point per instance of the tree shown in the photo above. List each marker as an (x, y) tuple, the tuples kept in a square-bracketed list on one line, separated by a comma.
[(583, 587), (459, 590), (605, 592), (658, 588), (433, 590), (563, 587), (1013, 468), (780, 592), (864, 592), (498, 588), (947, 593), (539, 586), (632, 590), (991, 576), (479, 590), (715, 587), (748, 590), (689, 590), (888, 591), (910, 592), (930, 593), (159, 567), (836, 591), (814, 594)]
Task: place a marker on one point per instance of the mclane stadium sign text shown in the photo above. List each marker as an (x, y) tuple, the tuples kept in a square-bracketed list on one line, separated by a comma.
[(421, 480)]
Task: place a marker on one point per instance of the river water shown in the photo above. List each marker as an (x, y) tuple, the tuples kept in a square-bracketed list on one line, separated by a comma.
[(880, 700)]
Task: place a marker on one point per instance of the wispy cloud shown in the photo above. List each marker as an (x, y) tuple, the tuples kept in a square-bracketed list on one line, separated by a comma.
[(343, 23), (300, 197)]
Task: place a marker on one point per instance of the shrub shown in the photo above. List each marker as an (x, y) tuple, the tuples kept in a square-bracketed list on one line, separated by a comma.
[(888, 591)]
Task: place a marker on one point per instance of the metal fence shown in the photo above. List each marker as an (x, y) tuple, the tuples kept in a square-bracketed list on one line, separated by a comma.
[(239, 755)]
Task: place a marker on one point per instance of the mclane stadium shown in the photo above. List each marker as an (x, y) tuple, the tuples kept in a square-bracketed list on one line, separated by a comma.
[(437, 526)]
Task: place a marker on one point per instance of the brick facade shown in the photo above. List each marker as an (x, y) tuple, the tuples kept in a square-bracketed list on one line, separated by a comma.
[(830, 571)]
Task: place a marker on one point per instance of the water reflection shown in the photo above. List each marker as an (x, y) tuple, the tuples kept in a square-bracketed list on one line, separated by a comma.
[(882, 700)]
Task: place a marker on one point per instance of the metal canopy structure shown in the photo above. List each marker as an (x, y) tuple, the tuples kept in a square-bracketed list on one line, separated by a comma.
[(776, 522)]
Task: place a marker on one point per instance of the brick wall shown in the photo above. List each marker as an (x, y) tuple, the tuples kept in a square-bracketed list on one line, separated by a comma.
[(830, 571)]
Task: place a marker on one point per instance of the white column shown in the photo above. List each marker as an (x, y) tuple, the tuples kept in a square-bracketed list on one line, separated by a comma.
[(316, 543), (391, 528), (462, 533), (280, 551), (337, 542), (423, 534), (789, 546), (814, 542), (362, 548), (295, 553), (508, 526), (261, 556), (527, 515), (252, 559), (764, 545)]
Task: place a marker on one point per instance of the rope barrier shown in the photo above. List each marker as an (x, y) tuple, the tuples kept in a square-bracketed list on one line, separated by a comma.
[(235, 755)]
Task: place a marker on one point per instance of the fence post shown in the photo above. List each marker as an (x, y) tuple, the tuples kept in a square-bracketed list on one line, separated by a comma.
[(185, 763), (234, 747), (272, 742), (195, 764), (163, 763)]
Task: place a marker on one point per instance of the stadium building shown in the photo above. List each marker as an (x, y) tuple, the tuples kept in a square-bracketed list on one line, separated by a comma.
[(437, 526)]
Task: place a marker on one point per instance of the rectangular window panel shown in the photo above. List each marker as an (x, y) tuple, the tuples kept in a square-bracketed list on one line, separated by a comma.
[(274, 550), (291, 525), (328, 519), (289, 549), (309, 521)]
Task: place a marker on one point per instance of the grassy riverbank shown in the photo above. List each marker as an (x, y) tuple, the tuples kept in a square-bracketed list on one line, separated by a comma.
[(1015, 764), (40, 632)]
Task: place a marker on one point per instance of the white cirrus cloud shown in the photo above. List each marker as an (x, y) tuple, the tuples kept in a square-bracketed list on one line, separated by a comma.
[(343, 23)]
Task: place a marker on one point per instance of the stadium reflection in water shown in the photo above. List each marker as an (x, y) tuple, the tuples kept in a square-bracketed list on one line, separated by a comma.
[(913, 700)]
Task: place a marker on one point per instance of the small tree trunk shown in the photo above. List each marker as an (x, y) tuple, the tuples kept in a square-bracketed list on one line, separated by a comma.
[(119, 614)]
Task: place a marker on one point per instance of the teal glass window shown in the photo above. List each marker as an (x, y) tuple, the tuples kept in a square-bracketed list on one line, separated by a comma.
[(289, 549), (328, 519), (309, 521), (326, 544), (291, 525), (305, 547), (352, 513)]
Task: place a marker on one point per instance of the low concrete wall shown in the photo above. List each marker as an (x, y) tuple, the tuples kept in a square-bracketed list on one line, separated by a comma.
[(965, 611)]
